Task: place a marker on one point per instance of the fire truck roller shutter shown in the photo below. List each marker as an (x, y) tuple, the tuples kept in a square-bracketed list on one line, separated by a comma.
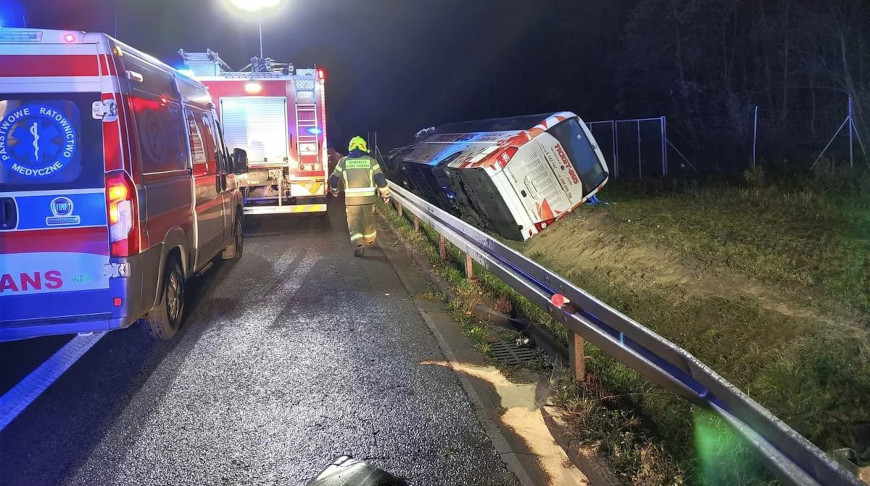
[(258, 125)]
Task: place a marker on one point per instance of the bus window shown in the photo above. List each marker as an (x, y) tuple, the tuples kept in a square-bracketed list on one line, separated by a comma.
[(581, 153)]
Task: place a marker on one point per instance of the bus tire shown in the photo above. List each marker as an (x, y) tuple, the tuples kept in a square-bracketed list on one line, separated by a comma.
[(163, 321), (234, 251)]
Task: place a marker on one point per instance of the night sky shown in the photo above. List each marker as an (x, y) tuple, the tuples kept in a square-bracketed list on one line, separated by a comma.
[(393, 65)]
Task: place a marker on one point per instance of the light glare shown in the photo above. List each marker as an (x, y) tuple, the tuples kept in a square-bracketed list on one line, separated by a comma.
[(254, 5), (253, 87)]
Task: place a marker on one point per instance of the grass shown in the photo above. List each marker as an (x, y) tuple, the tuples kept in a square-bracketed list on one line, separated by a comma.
[(810, 233), (633, 448), (765, 280)]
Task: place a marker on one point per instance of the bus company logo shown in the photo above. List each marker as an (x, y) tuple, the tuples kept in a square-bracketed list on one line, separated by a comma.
[(37, 141), (567, 162), (62, 211)]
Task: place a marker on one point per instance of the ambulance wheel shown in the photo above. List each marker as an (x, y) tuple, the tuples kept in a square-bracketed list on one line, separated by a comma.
[(165, 319), (234, 251)]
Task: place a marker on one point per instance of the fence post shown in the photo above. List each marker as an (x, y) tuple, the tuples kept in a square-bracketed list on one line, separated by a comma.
[(851, 129), (576, 356), (755, 137), (469, 268), (664, 148), (639, 158), (615, 149), (442, 247)]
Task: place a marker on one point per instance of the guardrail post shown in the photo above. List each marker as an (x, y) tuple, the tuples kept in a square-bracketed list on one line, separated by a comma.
[(469, 268), (442, 247), (577, 356), (416, 224), (399, 208)]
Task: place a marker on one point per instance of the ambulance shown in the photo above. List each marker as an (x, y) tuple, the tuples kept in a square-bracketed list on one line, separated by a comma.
[(277, 114), (116, 187)]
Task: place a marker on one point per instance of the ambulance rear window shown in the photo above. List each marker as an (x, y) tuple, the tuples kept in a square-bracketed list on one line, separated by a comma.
[(49, 141)]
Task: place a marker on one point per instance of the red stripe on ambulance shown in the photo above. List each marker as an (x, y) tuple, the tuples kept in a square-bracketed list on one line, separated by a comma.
[(74, 240), (50, 65)]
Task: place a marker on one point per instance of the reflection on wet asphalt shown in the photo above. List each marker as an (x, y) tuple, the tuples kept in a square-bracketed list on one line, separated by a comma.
[(289, 358)]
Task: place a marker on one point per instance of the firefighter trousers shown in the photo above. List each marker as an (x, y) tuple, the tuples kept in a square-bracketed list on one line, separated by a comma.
[(361, 224)]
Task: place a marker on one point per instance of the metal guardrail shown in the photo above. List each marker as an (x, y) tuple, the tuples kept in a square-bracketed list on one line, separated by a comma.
[(790, 456)]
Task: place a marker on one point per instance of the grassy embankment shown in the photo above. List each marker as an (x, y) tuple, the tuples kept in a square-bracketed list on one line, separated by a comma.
[(765, 282)]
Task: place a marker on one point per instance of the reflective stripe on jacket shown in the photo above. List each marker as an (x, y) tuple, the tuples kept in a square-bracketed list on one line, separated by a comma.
[(358, 175)]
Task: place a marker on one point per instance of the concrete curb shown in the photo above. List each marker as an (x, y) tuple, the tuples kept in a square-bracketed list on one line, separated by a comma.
[(587, 461), (593, 465), (510, 456)]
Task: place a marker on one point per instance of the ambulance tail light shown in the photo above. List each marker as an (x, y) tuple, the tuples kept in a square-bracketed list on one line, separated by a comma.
[(321, 74), (121, 207)]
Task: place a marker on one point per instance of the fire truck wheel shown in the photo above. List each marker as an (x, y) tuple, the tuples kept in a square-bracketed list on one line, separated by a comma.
[(164, 320), (234, 251)]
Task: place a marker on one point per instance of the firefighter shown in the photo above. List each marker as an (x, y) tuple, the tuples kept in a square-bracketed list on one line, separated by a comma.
[(363, 182)]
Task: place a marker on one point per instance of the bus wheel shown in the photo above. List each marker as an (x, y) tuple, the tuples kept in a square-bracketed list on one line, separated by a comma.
[(165, 319)]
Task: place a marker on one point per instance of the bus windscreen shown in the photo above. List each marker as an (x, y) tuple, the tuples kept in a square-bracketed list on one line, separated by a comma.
[(581, 153)]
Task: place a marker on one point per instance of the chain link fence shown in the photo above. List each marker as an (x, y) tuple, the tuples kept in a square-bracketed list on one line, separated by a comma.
[(633, 148)]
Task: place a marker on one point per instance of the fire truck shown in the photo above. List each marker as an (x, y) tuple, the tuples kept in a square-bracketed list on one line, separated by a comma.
[(277, 114)]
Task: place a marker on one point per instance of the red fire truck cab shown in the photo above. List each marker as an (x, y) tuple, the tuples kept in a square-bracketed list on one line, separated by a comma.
[(277, 113)]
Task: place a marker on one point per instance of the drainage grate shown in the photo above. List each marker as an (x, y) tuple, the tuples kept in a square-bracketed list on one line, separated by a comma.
[(512, 355)]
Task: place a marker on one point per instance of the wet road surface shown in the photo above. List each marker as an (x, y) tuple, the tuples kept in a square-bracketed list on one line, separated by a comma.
[(288, 358)]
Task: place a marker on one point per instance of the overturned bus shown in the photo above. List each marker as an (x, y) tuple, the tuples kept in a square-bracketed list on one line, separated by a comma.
[(514, 176)]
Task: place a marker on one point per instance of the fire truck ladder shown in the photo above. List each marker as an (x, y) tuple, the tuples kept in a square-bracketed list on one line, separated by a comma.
[(307, 124)]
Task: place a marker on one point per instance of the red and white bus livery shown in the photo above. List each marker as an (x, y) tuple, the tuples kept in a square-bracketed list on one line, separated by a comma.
[(514, 176)]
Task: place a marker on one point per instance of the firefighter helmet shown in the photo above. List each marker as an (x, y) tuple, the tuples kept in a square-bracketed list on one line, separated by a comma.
[(358, 143)]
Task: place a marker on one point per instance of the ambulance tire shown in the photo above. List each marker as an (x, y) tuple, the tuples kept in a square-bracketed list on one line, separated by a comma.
[(163, 321), (234, 251)]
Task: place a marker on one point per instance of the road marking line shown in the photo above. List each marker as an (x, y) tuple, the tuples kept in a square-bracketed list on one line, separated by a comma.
[(28, 389)]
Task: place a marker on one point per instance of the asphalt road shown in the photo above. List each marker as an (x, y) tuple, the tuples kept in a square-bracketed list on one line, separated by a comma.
[(288, 358)]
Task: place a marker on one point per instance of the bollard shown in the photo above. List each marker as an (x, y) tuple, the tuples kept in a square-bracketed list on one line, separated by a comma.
[(469, 268), (442, 247), (576, 354), (416, 224)]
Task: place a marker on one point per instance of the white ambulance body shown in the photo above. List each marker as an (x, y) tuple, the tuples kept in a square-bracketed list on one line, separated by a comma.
[(116, 186)]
